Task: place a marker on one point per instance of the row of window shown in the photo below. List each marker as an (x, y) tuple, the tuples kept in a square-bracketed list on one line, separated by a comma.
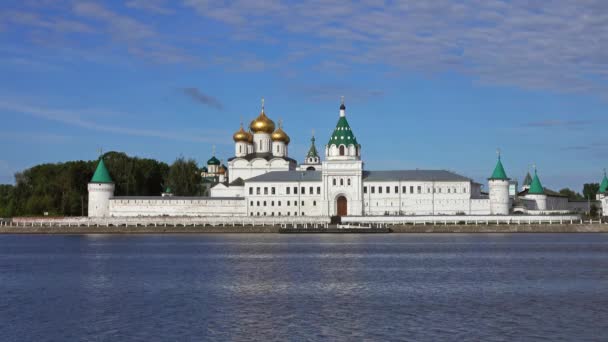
[(387, 189), (427, 202), (264, 203), (335, 181), (288, 190), (295, 213)]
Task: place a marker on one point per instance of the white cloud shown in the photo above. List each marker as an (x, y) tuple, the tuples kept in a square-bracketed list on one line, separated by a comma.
[(74, 118)]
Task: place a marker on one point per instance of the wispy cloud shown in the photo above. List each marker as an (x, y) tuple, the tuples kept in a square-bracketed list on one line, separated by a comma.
[(155, 6), (74, 118), (200, 97), (34, 137), (557, 45)]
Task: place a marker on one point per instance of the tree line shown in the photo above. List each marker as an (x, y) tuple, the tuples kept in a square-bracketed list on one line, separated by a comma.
[(60, 189)]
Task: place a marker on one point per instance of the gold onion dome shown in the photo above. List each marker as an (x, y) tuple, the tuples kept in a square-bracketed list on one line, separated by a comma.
[(262, 124), (280, 135), (242, 136)]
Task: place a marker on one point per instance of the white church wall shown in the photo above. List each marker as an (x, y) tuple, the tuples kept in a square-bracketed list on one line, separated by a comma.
[(222, 190)]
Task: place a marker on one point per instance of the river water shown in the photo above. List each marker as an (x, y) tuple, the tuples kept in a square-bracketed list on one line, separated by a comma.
[(269, 287)]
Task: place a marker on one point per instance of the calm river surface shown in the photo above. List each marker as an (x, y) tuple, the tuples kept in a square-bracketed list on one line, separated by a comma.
[(263, 287)]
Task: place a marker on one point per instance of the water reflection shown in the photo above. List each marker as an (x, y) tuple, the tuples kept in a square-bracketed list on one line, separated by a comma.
[(304, 287)]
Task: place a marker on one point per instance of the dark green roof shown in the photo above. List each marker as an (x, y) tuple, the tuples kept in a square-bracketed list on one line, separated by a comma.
[(204, 169), (168, 190), (312, 152), (536, 188), (213, 161), (528, 179), (499, 171), (101, 173), (604, 184), (342, 134)]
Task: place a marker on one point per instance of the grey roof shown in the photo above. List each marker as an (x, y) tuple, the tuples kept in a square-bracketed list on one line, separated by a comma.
[(237, 182), (287, 176), (174, 198), (414, 175), (266, 156), (369, 176)]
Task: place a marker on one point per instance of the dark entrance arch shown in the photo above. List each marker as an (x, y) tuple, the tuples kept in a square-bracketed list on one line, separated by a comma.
[(342, 206)]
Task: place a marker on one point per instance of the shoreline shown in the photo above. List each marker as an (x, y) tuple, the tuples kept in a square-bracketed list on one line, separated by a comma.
[(397, 229)]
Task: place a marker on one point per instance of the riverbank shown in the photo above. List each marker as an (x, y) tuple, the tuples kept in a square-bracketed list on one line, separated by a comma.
[(468, 229)]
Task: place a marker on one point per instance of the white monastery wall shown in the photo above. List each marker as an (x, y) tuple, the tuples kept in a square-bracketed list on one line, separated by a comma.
[(177, 206)]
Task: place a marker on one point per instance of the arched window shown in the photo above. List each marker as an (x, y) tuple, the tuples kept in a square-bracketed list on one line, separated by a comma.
[(334, 181), (341, 150), (240, 148), (260, 145), (348, 181), (341, 181)]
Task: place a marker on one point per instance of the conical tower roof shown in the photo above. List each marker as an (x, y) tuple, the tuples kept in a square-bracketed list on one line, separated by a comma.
[(528, 179), (499, 171), (101, 174), (312, 151), (342, 134), (536, 188), (604, 184)]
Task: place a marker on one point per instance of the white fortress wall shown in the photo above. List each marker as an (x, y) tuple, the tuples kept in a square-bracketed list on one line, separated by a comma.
[(177, 206)]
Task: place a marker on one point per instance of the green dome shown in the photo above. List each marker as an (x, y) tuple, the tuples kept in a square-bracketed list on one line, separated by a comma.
[(204, 169), (213, 161), (604, 184), (342, 134), (499, 172), (536, 188), (101, 173)]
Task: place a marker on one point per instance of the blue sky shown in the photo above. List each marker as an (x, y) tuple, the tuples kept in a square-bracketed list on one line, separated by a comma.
[(428, 84)]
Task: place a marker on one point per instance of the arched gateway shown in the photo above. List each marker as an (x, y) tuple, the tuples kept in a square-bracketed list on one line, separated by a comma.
[(342, 206)]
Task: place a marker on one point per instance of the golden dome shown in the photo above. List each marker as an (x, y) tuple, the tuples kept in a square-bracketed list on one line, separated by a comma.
[(221, 170), (262, 124), (280, 135), (242, 136)]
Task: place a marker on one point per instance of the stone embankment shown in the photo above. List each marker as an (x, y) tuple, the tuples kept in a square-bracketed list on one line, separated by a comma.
[(504, 228)]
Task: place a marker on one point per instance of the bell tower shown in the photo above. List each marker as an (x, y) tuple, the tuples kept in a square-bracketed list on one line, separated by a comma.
[(342, 171)]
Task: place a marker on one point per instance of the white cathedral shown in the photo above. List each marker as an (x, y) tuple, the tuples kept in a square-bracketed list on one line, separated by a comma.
[(262, 180)]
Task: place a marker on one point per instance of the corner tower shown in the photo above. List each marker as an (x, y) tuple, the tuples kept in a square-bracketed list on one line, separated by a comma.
[(342, 171), (537, 192), (498, 184), (101, 189)]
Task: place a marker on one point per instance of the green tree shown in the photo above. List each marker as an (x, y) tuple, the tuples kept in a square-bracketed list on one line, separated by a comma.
[(571, 194), (184, 177), (590, 190)]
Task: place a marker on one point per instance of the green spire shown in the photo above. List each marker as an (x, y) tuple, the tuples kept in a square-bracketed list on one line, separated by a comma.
[(312, 152), (604, 184), (101, 173), (528, 179), (536, 188), (499, 171)]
